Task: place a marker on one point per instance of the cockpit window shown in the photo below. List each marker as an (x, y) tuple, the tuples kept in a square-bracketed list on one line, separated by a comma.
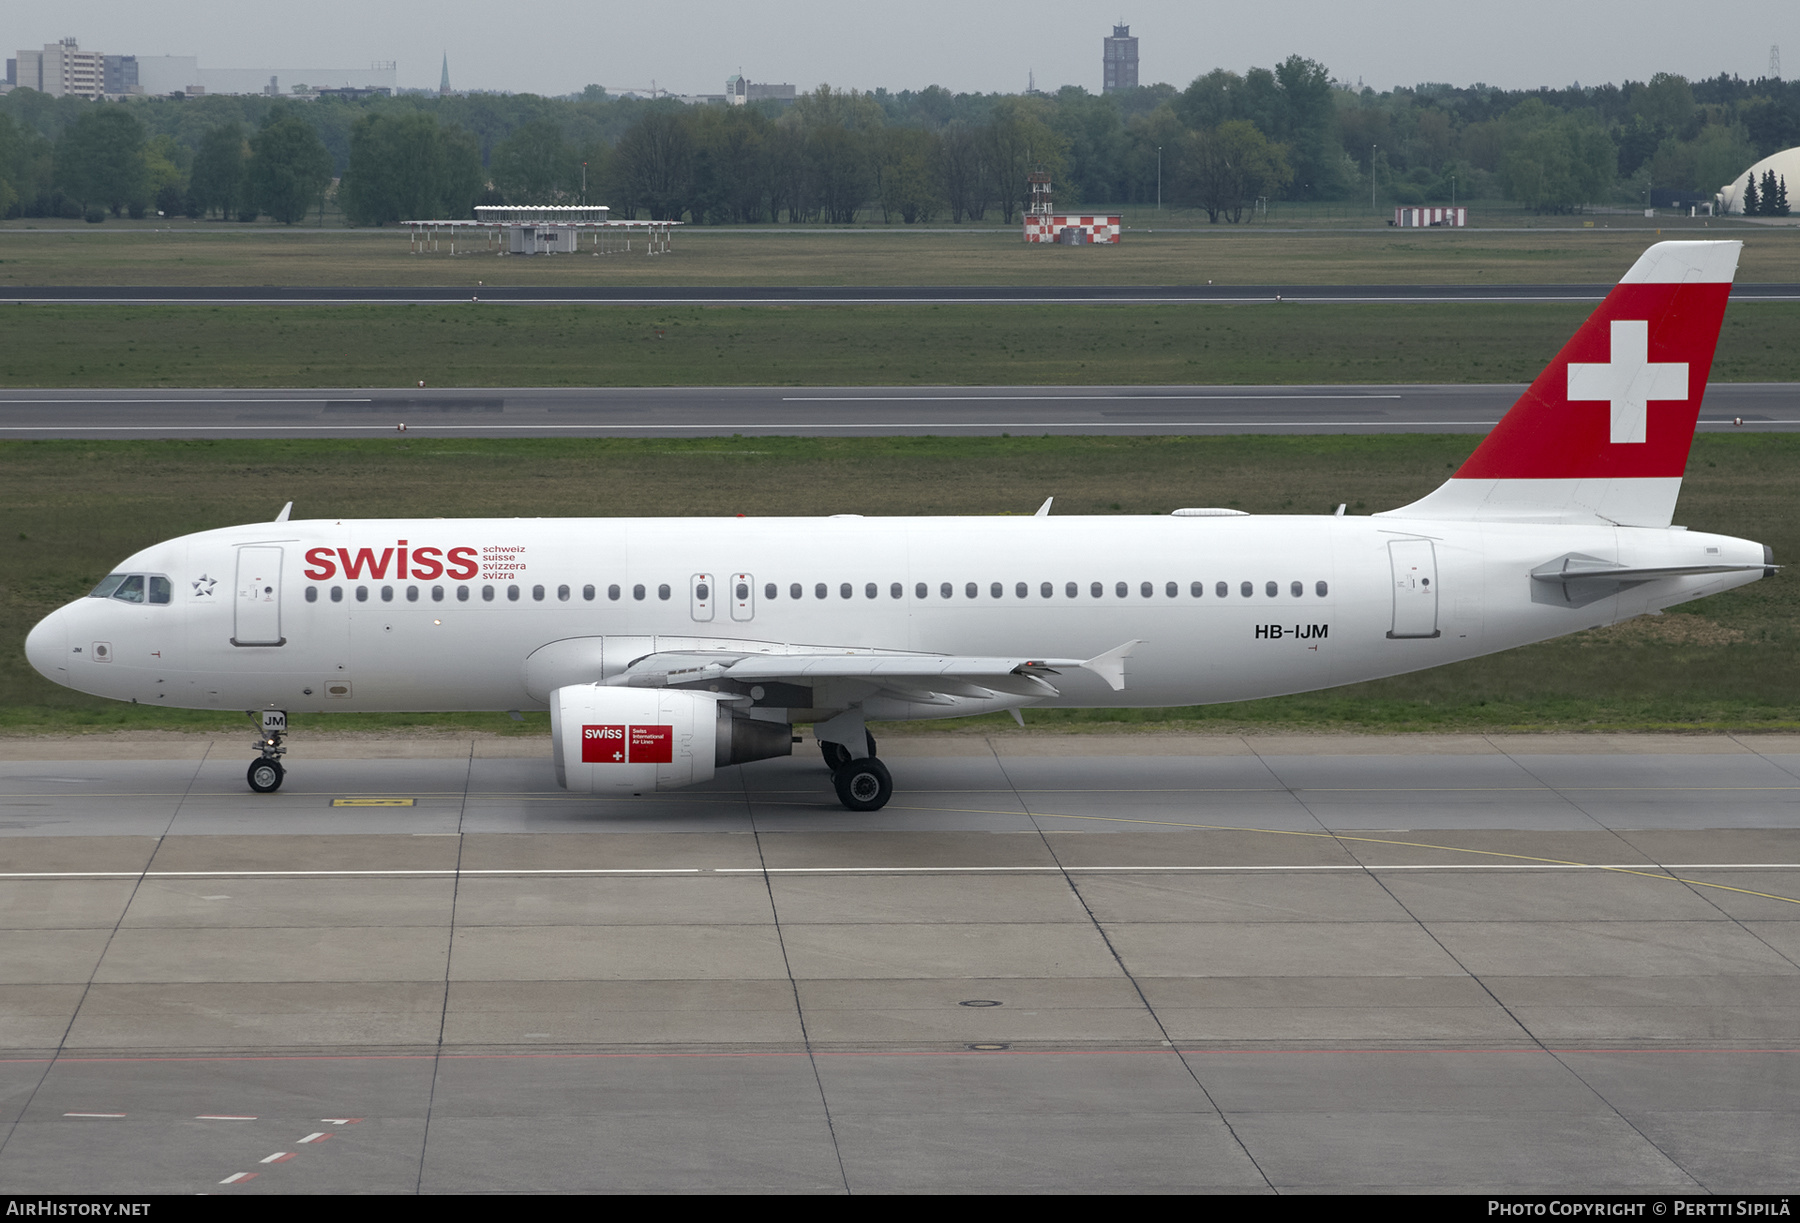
[(134, 588)]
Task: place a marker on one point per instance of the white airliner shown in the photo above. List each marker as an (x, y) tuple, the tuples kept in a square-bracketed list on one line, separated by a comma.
[(667, 648)]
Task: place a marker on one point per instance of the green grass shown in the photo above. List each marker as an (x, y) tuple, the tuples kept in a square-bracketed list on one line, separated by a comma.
[(72, 509), (183, 252), (478, 344)]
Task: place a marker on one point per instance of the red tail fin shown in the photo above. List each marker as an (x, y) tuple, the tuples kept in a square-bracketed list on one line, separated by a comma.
[(1603, 434)]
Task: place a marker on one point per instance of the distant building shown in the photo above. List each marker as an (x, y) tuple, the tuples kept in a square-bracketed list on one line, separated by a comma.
[(444, 80), (1119, 61), (741, 92), (121, 75), (62, 69), (164, 74)]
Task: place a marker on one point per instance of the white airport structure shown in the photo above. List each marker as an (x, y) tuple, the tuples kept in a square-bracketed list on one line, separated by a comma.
[(1786, 164), (540, 229)]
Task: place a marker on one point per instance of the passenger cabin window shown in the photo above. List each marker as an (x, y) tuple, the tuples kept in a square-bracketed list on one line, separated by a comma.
[(462, 594), (1197, 589), (1247, 589), (896, 590), (1297, 589), (412, 594), (769, 589), (362, 594), (512, 594), (387, 594), (487, 594), (944, 590), (312, 594), (1221, 590), (1322, 589), (537, 594), (1071, 590), (1171, 590), (844, 590), (970, 590), (437, 594), (337, 594), (562, 594), (921, 591), (587, 592), (637, 592), (869, 590), (1146, 589), (1121, 589), (1046, 590), (662, 592), (1270, 589), (1096, 590)]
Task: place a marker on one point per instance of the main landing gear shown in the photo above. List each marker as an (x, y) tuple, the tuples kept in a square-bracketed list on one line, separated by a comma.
[(266, 774), (862, 785)]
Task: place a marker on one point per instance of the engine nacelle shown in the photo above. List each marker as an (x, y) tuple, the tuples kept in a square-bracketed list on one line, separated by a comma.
[(630, 740)]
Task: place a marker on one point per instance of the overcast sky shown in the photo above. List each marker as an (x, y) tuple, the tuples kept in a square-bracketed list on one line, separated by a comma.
[(693, 45)]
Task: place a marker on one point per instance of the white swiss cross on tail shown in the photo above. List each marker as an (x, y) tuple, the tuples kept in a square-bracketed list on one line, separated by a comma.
[(1629, 381)]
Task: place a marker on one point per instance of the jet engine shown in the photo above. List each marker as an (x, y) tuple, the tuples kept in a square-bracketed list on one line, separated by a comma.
[(631, 740)]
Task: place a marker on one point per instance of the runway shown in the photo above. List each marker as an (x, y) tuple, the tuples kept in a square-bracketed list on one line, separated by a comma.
[(1052, 964), (813, 411), (824, 295)]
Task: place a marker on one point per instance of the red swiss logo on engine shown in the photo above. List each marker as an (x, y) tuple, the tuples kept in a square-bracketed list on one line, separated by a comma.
[(603, 745)]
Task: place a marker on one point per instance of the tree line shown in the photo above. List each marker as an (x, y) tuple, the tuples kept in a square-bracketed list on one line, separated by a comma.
[(1229, 144)]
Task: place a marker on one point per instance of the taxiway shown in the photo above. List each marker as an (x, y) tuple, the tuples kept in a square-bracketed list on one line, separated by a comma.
[(1052, 964), (814, 411)]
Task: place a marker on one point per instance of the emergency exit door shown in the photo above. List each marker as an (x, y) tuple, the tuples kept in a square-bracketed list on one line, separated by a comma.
[(258, 610), (1414, 566)]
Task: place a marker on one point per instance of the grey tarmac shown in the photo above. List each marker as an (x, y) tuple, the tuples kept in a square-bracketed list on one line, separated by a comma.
[(816, 295), (1051, 964), (813, 411)]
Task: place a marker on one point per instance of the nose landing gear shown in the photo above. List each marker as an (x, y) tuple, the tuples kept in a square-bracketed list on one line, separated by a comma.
[(266, 773)]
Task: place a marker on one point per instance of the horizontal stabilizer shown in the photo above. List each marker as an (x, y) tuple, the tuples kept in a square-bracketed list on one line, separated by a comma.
[(1578, 569)]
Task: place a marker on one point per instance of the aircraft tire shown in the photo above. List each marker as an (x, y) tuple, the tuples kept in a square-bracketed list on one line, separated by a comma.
[(265, 776), (863, 785), (837, 755)]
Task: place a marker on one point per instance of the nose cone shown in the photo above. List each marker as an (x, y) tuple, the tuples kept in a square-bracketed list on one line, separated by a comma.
[(47, 647)]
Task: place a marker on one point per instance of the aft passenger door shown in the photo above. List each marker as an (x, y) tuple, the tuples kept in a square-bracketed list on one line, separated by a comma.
[(1413, 563)]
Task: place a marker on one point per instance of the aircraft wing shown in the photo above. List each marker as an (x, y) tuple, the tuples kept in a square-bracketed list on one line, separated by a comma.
[(914, 676)]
